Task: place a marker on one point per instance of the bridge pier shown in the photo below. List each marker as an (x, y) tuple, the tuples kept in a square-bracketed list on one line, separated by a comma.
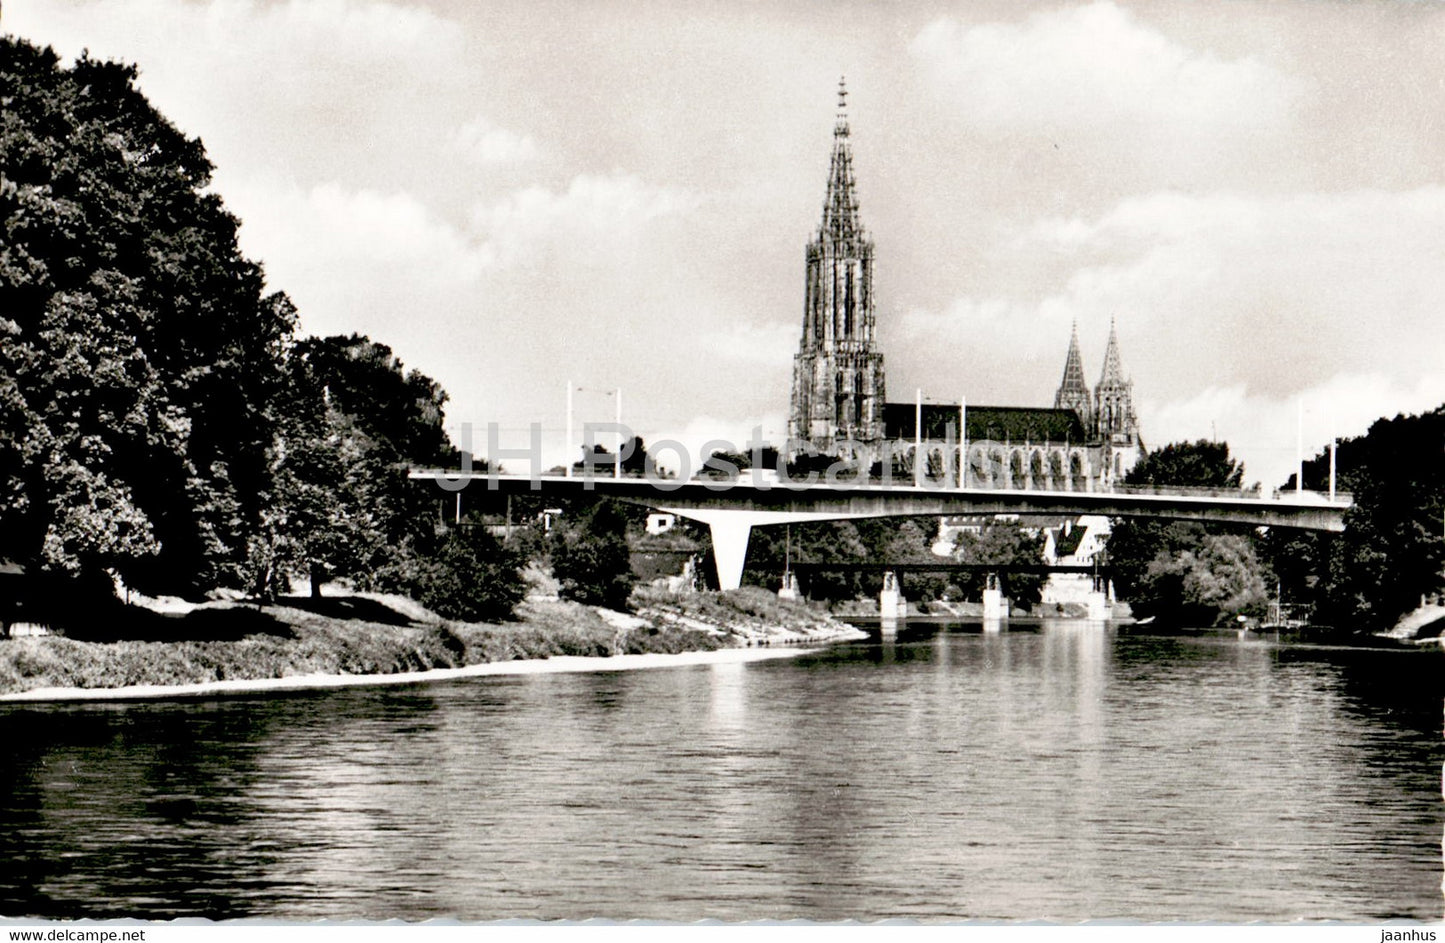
[(729, 550), (731, 528), (1098, 600), (891, 603), (995, 609), (789, 589)]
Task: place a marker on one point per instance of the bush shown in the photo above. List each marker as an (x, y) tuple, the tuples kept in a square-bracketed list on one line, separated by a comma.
[(592, 561), (470, 578)]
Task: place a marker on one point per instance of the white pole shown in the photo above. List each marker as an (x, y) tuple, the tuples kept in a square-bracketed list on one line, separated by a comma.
[(568, 444), (617, 467), (1334, 441), (1299, 451), (963, 439), (918, 438)]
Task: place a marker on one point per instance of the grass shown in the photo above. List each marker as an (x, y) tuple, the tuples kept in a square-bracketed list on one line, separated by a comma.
[(366, 636)]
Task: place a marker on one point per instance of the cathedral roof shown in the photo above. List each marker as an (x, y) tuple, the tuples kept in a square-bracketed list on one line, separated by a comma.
[(997, 423)]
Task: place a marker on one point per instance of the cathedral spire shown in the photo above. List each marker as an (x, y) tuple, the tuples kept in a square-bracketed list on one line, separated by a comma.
[(1074, 390), (838, 389), (1113, 375), (840, 207), (1114, 398)]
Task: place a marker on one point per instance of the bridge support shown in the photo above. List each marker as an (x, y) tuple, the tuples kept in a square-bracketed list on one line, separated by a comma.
[(789, 589), (891, 603), (730, 551), (731, 527), (995, 609), (1098, 599)]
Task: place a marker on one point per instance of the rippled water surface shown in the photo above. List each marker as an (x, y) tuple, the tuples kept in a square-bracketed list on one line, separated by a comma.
[(1067, 773)]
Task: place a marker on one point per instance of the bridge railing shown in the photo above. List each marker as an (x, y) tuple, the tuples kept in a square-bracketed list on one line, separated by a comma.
[(1253, 493), (771, 477)]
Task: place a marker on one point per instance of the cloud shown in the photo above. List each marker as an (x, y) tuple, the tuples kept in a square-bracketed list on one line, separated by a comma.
[(1263, 429), (596, 217), (766, 345), (328, 233), (1280, 291), (482, 142), (1087, 66), (700, 431)]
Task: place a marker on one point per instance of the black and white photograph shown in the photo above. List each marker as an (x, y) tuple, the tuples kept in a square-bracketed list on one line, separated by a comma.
[(546, 461)]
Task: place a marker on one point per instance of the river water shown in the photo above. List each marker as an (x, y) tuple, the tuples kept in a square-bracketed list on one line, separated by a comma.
[(1066, 772)]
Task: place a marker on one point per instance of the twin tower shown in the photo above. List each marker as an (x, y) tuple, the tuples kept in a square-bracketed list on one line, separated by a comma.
[(839, 403)]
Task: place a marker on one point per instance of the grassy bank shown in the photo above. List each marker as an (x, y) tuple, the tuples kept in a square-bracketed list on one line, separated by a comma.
[(386, 635)]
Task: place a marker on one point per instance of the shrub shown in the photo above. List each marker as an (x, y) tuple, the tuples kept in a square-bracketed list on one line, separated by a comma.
[(470, 578), (592, 560)]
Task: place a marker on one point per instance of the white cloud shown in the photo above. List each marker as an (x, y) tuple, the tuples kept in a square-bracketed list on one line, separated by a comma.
[(596, 217), (482, 142), (1282, 292), (1087, 66), (1263, 429), (330, 234), (703, 431), (766, 345)]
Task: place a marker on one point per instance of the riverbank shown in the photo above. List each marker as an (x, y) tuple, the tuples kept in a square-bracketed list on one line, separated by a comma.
[(364, 639)]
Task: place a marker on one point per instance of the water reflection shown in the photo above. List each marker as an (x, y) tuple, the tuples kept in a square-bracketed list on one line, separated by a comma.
[(1064, 771)]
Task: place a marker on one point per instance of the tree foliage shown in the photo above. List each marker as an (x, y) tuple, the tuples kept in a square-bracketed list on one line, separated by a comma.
[(354, 419), (1200, 464), (1186, 571), (159, 421), (1002, 542), (141, 353), (470, 577), (1393, 549), (591, 560)]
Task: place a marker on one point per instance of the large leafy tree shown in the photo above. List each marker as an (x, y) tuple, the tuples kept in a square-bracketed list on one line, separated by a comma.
[(354, 420), (1187, 571), (1393, 549), (1002, 542), (1198, 464), (141, 353)]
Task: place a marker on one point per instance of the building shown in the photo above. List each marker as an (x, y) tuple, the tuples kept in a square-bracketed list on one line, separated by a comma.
[(839, 406)]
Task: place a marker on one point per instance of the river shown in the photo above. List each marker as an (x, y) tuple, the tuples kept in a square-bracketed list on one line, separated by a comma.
[(1062, 772)]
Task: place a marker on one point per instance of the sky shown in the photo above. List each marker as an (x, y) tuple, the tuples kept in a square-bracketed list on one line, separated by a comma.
[(519, 195)]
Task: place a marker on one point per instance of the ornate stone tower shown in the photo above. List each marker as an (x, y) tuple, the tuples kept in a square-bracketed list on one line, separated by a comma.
[(1073, 391), (1114, 412), (838, 389)]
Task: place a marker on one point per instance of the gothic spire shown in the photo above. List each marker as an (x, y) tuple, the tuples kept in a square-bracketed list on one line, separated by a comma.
[(1073, 367), (1113, 375), (840, 208), (1074, 390)]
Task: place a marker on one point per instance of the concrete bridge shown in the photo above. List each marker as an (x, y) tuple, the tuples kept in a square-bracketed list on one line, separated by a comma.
[(731, 508)]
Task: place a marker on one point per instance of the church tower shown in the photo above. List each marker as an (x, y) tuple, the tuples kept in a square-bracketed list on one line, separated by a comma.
[(1074, 391), (1114, 411), (838, 389)]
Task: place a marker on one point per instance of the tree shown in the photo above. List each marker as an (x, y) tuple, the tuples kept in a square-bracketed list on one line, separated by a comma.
[(590, 558), (1184, 570), (471, 577), (1004, 543), (1214, 580), (1393, 549), (1201, 464), (140, 353)]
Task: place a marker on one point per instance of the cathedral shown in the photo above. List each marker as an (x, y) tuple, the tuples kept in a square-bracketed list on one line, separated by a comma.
[(840, 409)]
